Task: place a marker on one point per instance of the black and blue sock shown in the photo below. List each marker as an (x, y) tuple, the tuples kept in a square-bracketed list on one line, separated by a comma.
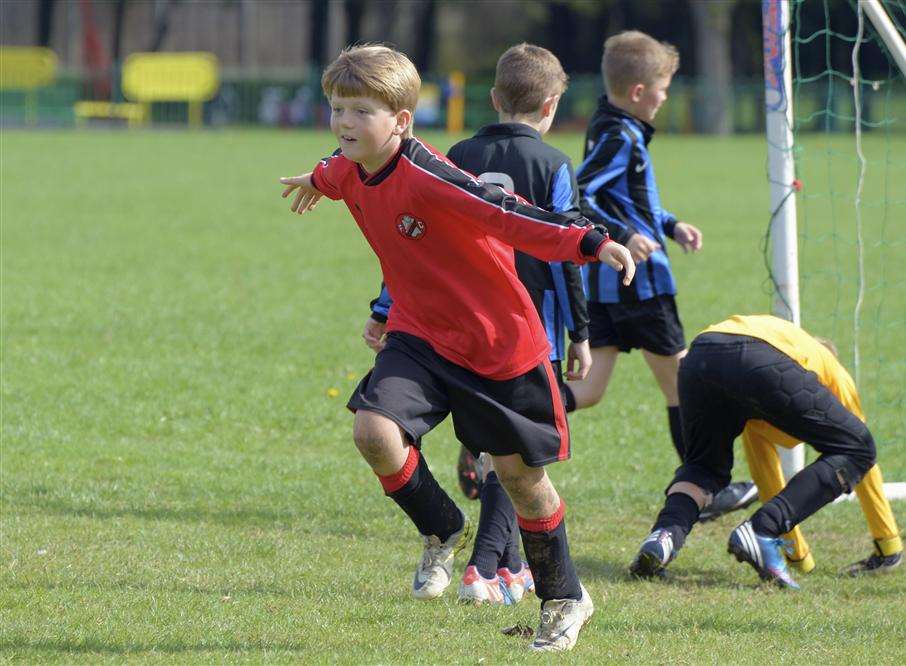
[(496, 530)]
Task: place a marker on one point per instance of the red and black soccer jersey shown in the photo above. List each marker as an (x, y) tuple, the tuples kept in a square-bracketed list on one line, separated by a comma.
[(445, 243)]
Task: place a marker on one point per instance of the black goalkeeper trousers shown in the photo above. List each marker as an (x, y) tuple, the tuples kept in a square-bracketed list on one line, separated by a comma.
[(725, 380)]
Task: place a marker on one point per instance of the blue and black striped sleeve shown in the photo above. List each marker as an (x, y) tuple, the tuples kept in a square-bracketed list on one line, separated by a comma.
[(607, 162), (668, 221), (564, 198)]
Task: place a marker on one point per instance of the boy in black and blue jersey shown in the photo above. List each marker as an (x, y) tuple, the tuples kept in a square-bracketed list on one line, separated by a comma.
[(512, 154), (618, 188)]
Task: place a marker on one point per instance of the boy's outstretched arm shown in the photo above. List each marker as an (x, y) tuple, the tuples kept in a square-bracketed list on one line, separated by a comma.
[(307, 196), (459, 197)]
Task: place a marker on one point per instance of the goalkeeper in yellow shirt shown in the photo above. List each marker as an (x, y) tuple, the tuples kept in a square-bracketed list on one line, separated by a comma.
[(770, 381)]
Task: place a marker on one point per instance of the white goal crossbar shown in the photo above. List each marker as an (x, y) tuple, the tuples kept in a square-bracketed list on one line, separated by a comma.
[(886, 30)]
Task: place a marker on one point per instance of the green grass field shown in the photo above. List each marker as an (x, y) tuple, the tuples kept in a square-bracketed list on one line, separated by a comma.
[(179, 483)]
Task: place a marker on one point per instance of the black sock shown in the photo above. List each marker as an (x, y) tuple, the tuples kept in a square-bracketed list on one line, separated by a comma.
[(676, 431), (677, 517), (424, 501), (569, 398), (812, 488), (547, 552), (496, 526)]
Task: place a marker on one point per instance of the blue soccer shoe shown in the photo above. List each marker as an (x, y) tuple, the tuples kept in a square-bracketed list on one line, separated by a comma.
[(655, 553), (764, 553)]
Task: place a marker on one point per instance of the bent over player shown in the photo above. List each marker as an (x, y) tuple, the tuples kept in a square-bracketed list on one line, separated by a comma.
[(760, 439), (739, 372), (463, 335)]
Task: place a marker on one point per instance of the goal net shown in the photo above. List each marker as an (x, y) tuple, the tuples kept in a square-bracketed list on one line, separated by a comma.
[(836, 247)]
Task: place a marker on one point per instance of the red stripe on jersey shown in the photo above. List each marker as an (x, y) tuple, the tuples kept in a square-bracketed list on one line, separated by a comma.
[(559, 411)]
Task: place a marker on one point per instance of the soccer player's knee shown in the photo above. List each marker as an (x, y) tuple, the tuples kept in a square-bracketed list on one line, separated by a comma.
[(869, 455), (530, 490), (517, 484), (861, 456), (594, 397), (370, 439), (842, 473)]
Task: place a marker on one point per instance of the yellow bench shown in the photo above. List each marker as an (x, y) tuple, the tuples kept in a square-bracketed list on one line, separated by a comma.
[(27, 68), (133, 114), (160, 77)]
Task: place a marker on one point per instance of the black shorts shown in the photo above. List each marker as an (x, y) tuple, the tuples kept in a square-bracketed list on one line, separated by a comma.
[(652, 324), (416, 387), (725, 380)]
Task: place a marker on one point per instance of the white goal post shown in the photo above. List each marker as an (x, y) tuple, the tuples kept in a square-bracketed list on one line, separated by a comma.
[(778, 100)]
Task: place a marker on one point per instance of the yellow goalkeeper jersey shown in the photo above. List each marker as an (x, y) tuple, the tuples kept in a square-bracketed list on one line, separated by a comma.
[(759, 436)]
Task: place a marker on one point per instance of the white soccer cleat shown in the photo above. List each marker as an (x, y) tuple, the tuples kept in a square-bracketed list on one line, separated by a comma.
[(561, 621), (435, 570), (517, 584), (476, 589)]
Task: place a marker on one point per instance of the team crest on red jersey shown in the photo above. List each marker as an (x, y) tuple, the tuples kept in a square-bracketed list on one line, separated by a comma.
[(410, 226)]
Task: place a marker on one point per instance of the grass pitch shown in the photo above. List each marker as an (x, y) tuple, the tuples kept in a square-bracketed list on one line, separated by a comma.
[(178, 478)]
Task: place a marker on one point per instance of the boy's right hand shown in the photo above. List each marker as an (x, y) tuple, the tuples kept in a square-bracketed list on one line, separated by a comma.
[(374, 334), (578, 360), (618, 258), (306, 198), (641, 247)]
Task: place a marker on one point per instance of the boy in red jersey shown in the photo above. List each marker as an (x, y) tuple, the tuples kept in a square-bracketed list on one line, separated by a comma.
[(528, 84), (464, 337)]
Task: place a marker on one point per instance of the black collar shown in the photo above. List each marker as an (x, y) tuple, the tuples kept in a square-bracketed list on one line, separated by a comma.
[(509, 129), (606, 108), (379, 176)]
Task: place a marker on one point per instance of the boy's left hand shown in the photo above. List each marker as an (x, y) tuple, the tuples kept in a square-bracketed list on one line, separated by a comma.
[(374, 334), (578, 360), (687, 237)]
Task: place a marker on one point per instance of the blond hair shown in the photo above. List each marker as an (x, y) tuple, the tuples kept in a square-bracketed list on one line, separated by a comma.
[(375, 71), (526, 76), (632, 57)]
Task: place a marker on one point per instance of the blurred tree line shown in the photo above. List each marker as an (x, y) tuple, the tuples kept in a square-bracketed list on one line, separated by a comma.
[(719, 41)]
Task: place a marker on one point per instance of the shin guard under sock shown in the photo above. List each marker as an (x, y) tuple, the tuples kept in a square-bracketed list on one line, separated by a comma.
[(677, 517), (547, 552), (815, 486), (676, 431), (496, 525), (417, 493)]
